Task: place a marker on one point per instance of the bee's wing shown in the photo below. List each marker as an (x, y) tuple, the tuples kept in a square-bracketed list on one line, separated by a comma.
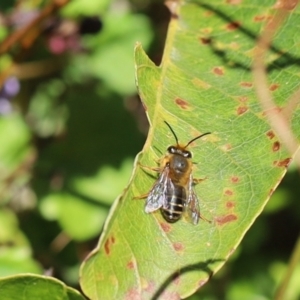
[(157, 196), (192, 205)]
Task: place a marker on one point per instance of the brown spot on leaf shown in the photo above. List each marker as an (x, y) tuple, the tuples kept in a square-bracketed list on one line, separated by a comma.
[(200, 83), (241, 110), (182, 103), (218, 71), (165, 227), (133, 294), (208, 13), (233, 26), (230, 204), (274, 87), (225, 219), (276, 146), (178, 246), (271, 192), (206, 31), (226, 147), (246, 84), (235, 179), (130, 265), (205, 41), (261, 18), (283, 163), (228, 192), (107, 245), (270, 134), (243, 99)]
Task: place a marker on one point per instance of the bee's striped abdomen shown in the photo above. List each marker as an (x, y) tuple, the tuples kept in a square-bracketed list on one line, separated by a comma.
[(176, 199)]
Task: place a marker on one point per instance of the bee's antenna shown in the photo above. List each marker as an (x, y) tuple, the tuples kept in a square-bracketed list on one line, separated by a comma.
[(172, 131), (196, 138)]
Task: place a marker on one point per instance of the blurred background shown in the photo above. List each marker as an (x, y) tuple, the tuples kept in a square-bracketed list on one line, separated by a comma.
[(71, 124)]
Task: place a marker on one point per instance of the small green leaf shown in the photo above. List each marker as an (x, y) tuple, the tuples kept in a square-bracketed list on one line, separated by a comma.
[(81, 8), (15, 251), (70, 211), (34, 287), (88, 199), (105, 185), (203, 84), (15, 138), (115, 44)]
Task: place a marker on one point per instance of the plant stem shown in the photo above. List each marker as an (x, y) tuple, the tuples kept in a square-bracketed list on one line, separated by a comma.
[(295, 259)]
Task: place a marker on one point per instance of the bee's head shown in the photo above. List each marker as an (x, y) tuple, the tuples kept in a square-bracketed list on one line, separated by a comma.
[(181, 150)]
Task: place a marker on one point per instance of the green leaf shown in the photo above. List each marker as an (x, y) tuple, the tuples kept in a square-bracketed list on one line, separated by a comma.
[(106, 184), (77, 8), (114, 44), (15, 251), (47, 115), (15, 138), (70, 211), (31, 287), (203, 84), (88, 199), (15, 153)]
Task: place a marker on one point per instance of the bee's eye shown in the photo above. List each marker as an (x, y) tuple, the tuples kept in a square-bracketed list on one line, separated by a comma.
[(187, 154), (172, 149)]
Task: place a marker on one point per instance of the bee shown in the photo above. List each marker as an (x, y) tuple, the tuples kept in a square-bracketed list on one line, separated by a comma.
[(173, 191)]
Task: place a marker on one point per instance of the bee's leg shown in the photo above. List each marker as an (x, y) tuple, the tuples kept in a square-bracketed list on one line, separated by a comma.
[(198, 180), (141, 196), (204, 219), (156, 169), (146, 168)]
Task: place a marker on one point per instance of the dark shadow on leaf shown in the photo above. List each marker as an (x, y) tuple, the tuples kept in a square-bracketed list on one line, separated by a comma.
[(203, 266), (160, 152), (284, 60), (89, 200)]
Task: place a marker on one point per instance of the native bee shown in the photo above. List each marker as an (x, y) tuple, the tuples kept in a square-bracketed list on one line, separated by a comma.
[(173, 191)]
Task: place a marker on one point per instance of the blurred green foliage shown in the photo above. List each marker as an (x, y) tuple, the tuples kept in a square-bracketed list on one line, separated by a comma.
[(68, 144)]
